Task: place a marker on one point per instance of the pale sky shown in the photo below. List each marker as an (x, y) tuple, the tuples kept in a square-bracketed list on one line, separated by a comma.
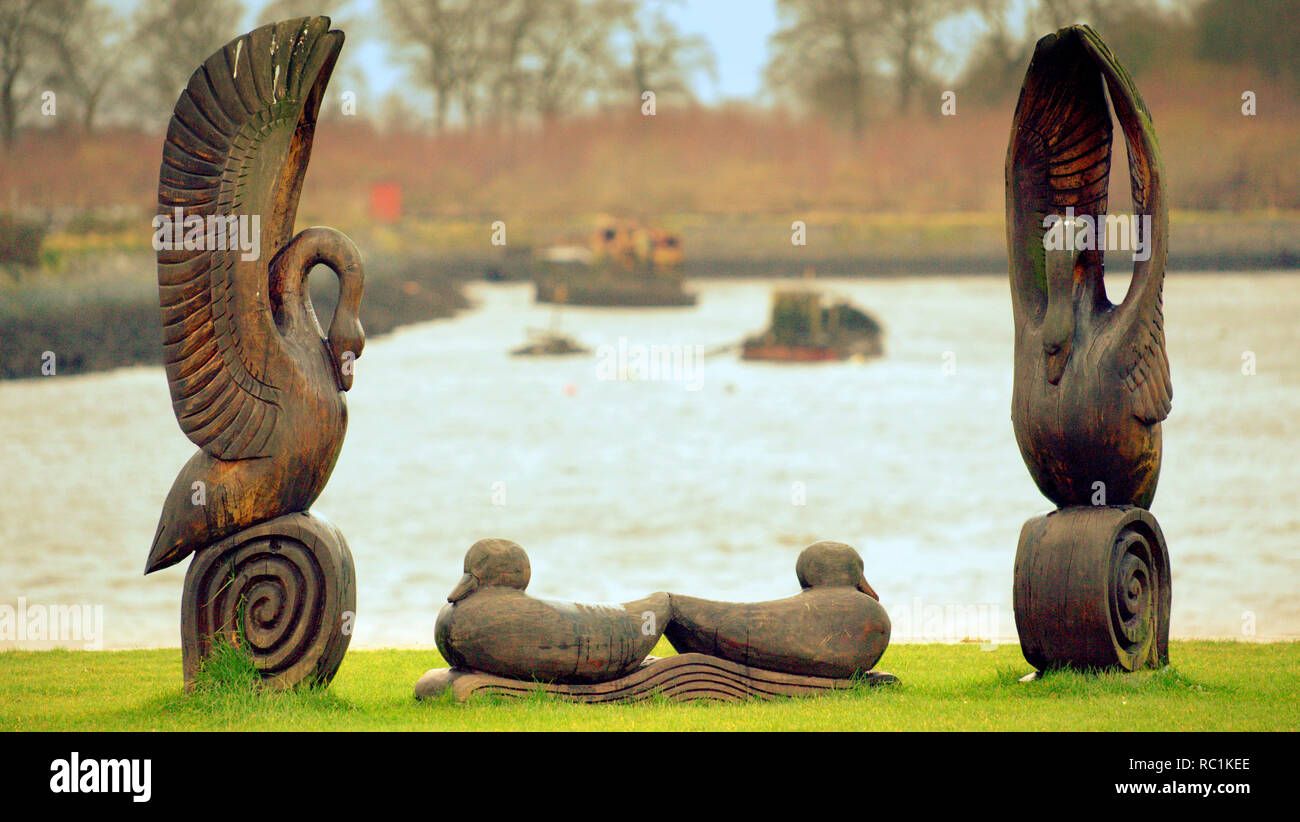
[(736, 29)]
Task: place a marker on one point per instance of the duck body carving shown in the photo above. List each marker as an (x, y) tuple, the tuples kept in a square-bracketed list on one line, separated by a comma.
[(1091, 382), (490, 625), (255, 382), (835, 627)]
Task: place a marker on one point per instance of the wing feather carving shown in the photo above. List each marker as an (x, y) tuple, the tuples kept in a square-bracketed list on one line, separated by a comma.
[(1139, 319), (1058, 157), (237, 145)]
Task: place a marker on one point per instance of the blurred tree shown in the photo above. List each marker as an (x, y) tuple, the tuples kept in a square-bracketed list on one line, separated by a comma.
[(832, 52), (174, 37), (906, 32), (445, 35), (24, 29), (567, 57), (504, 79), (504, 58), (659, 57), (998, 59), (277, 10), (822, 57), (88, 49), (1141, 33), (1258, 33)]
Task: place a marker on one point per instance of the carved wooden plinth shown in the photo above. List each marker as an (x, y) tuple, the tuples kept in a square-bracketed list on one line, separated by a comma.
[(1092, 589), (284, 590), (682, 678)]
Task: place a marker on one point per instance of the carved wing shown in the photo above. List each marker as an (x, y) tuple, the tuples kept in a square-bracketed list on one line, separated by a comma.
[(1058, 157), (1139, 319), (237, 146)]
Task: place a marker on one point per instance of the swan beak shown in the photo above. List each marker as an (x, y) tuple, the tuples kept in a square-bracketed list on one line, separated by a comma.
[(1058, 355), (345, 350), (468, 584), (867, 589)]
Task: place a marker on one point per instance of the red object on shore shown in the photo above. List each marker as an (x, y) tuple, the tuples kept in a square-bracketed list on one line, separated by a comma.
[(386, 202), (790, 353)]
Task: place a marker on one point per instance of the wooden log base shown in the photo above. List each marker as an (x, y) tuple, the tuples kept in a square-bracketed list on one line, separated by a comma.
[(285, 590), (1092, 589), (681, 678)]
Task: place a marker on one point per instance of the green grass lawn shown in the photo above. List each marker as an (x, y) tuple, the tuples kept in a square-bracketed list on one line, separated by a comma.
[(1211, 686)]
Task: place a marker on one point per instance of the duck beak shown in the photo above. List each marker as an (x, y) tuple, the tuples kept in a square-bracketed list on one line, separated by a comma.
[(468, 584), (867, 589)]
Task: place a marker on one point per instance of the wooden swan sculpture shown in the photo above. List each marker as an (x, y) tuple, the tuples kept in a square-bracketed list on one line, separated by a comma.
[(489, 624), (835, 627), (500, 641), (255, 382), (1092, 382), (1091, 378)]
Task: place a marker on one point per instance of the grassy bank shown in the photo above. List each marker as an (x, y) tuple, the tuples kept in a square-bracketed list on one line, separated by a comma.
[(1211, 686)]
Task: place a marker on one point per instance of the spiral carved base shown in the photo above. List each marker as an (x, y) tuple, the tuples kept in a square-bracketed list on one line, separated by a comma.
[(284, 589), (1092, 589)]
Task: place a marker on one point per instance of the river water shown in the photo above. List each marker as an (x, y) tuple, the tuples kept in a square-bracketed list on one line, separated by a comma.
[(706, 479)]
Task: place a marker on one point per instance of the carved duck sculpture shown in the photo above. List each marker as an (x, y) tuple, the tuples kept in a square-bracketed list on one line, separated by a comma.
[(835, 627), (490, 625), (1091, 378), (255, 382)]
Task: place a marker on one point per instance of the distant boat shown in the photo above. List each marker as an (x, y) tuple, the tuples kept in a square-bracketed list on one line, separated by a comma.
[(548, 344), (578, 286), (623, 263), (807, 327)]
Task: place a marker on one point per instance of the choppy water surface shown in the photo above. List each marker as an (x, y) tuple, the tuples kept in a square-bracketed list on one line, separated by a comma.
[(621, 487)]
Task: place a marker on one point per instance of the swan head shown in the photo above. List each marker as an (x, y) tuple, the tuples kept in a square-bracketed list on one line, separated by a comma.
[(832, 564), (492, 562), (346, 337), (1059, 321), (345, 340)]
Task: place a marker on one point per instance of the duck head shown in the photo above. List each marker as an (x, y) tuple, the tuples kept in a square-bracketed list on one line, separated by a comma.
[(492, 562), (832, 564), (1059, 321)]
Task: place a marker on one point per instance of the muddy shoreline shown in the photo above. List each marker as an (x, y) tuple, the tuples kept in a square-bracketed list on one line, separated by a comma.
[(98, 327)]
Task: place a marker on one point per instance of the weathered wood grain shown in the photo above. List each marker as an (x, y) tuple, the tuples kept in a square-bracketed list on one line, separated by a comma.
[(1091, 378), (835, 627), (489, 624), (284, 590), (1091, 383), (497, 638), (683, 678), (1093, 589), (255, 382)]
